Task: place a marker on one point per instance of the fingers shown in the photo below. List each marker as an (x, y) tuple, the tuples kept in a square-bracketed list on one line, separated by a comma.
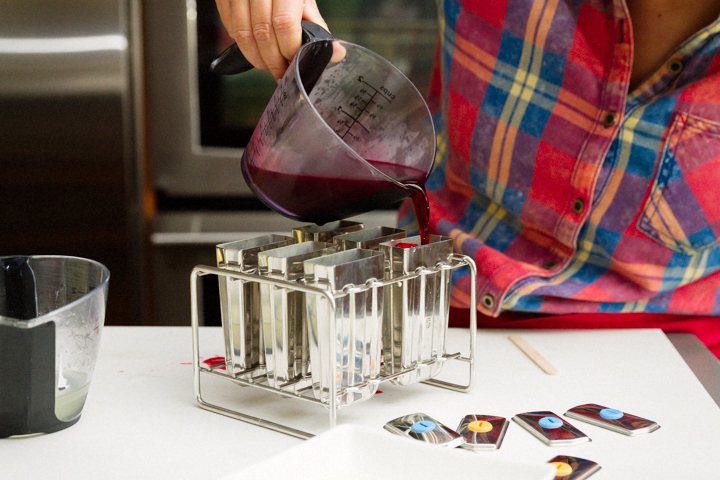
[(286, 18), (268, 32), (242, 32), (261, 17), (223, 7)]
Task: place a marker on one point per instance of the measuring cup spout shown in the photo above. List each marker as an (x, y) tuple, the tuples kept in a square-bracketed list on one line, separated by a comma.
[(231, 61)]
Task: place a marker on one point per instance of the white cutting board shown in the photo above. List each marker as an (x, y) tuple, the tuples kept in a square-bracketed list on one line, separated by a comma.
[(349, 452)]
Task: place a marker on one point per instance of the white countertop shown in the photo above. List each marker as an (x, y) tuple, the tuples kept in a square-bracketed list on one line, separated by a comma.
[(141, 419)]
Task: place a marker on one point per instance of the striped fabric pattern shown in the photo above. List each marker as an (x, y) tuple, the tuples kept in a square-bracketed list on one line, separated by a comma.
[(571, 193)]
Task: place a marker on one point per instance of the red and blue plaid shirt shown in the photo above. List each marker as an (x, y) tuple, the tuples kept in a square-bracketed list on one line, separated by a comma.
[(571, 193)]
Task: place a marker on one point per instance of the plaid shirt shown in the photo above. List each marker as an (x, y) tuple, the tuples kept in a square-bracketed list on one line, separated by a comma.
[(571, 193)]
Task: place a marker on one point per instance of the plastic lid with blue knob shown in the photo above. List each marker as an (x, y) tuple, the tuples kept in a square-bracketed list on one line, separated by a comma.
[(550, 422), (611, 414), (423, 426)]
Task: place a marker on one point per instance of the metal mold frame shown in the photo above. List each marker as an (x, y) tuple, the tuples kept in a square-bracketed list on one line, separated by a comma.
[(456, 261)]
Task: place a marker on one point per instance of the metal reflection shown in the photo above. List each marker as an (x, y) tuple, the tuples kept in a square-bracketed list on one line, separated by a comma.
[(96, 43)]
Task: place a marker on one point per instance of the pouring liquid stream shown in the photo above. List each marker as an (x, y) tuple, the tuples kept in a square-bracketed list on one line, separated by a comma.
[(419, 199)]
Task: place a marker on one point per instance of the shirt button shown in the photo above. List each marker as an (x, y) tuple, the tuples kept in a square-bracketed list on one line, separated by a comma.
[(676, 66), (550, 264), (488, 301), (578, 206), (610, 119)]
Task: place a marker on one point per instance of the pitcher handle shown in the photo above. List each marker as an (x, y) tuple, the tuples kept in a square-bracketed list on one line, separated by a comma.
[(232, 61)]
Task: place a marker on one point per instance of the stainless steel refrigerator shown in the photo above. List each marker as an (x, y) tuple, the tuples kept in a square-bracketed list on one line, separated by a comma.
[(71, 136)]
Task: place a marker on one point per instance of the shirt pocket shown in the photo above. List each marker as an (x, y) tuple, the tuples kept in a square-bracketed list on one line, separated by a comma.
[(683, 209)]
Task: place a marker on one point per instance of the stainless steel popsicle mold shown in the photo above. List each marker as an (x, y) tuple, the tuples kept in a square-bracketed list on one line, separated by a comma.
[(325, 233), (287, 358), (240, 301), (369, 238), (334, 321), (416, 310), (356, 321)]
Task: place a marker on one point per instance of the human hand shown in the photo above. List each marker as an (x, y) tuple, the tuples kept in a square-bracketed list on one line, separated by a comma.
[(268, 32)]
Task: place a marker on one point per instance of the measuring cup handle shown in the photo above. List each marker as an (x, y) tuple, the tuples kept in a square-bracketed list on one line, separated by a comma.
[(232, 61), (19, 280), (312, 32)]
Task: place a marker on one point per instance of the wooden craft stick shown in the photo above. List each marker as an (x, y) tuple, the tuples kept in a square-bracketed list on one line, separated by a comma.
[(528, 350)]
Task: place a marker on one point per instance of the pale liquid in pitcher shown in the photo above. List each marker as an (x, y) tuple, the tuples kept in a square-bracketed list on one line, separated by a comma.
[(70, 400)]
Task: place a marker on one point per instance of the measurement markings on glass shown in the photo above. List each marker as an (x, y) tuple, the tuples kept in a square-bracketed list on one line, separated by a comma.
[(363, 104)]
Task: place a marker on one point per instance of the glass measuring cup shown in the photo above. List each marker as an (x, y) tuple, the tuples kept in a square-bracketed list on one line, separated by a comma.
[(52, 311), (339, 137)]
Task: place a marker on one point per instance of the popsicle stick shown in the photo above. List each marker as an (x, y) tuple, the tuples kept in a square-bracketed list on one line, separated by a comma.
[(528, 350)]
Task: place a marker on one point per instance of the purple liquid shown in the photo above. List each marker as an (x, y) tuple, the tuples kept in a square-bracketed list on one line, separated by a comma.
[(419, 198), (319, 200)]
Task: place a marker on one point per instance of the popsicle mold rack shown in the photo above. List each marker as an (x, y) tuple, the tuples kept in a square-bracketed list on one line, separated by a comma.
[(328, 314)]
